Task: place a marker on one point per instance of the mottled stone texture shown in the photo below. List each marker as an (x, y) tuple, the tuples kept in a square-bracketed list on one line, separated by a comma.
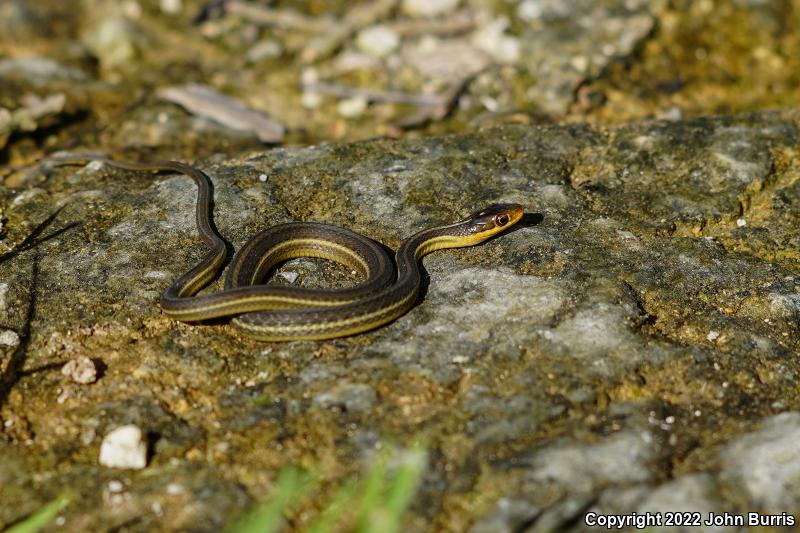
[(629, 349)]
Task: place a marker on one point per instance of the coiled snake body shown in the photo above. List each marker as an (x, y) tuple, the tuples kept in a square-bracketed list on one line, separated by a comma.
[(278, 313)]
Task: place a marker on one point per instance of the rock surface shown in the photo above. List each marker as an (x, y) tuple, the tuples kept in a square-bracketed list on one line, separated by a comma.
[(567, 365)]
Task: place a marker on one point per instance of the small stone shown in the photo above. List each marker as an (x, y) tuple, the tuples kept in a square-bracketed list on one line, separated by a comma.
[(65, 395), (492, 39), (157, 274), (115, 486), (378, 41), (38, 70), (291, 277), (712, 335), (529, 10), (171, 7), (672, 114), (94, 166), (507, 515), (266, 49), (124, 447), (741, 222), (579, 63), (112, 42), (81, 370), (174, 488), (490, 103), (620, 458), (352, 107), (428, 8), (131, 9), (353, 397), (309, 76), (9, 338), (203, 101), (311, 99)]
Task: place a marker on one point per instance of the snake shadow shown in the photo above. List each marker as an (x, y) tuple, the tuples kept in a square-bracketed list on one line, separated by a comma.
[(13, 371)]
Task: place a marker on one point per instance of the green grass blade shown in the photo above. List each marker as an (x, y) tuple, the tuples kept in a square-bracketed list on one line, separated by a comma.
[(40, 518), (331, 514), (371, 493), (402, 489), (267, 517)]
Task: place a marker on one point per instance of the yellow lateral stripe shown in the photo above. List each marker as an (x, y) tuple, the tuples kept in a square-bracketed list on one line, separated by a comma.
[(241, 301), (335, 324), (297, 243)]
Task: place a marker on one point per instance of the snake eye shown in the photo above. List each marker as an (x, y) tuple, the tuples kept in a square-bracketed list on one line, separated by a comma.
[(501, 220)]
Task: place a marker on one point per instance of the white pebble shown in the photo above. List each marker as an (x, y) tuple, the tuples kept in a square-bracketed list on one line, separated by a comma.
[(65, 395), (266, 49), (712, 335), (672, 114), (132, 9), (171, 7), (95, 165), (80, 370), (378, 41), (491, 38), (741, 222), (530, 10), (352, 107), (3, 296), (310, 99), (115, 486), (174, 488), (262, 177), (428, 8), (124, 447), (309, 76), (490, 103), (291, 277), (579, 63), (9, 338)]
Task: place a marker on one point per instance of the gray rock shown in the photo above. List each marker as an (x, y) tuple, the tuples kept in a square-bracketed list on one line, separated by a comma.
[(694, 493), (566, 364), (206, 102), (38, 71), (378, 40), (352, 397), (762, 467), (506, 517), (9, 338), (565, 42), (623, 458)]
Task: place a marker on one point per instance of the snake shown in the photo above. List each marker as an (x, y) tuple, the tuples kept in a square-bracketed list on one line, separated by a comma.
[(282, 313)]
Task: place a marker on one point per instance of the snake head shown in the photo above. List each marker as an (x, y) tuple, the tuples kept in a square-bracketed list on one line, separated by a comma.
[(493, 219)]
